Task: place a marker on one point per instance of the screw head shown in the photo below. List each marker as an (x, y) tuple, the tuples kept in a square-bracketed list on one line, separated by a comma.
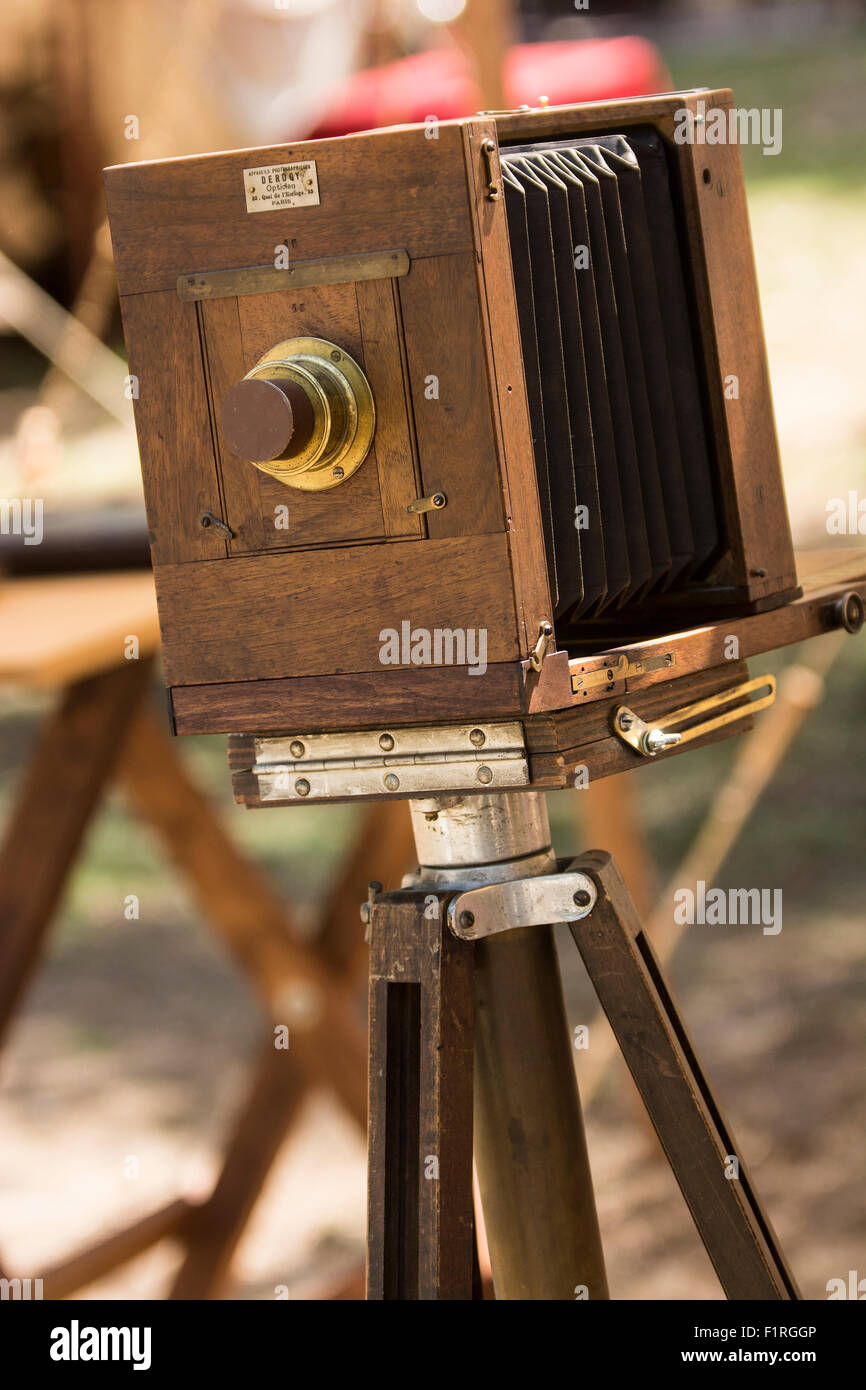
[(582, 898), (477, 737), (391, 781), (466, 921), (625, 720), (296, 748), (438, 499), (484, 775), (338, 472), (302, 787), (386, 742)]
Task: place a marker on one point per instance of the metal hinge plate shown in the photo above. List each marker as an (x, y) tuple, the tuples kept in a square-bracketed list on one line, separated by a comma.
[(401, 762), (598, 673), (521, 902)]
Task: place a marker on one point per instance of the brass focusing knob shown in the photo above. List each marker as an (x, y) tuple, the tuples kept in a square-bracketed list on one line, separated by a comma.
[(304, 414)]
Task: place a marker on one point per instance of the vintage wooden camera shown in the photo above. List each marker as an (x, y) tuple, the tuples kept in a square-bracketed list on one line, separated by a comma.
[(463, 482), (449, 425)]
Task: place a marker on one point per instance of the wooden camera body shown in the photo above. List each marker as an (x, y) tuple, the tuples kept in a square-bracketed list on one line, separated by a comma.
[(388, 399)]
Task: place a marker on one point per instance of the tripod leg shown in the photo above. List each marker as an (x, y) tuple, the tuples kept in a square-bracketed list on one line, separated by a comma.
[(668, 1073), (421, 1228), (533, 1170), (530, 1147)]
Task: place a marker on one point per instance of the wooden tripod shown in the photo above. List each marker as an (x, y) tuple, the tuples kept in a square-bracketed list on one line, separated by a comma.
[(462, 963)]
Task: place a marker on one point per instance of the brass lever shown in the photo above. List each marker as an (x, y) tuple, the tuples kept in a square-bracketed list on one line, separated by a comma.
[(650, 739)]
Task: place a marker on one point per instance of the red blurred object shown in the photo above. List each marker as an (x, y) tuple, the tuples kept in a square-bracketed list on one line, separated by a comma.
[(440, 83)]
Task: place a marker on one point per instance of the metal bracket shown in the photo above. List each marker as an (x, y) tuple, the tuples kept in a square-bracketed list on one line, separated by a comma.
[(539, 651), (434, 503), (263, 279), (208, 519), (615, 669), (488, 149), (521, 902), (651, 739), (405, 762)]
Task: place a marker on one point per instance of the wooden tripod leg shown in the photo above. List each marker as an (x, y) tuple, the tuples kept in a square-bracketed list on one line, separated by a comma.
[(59, 792), (420, 1211), (668, 1073), (258, 1135), (384, 849), (248, 916)]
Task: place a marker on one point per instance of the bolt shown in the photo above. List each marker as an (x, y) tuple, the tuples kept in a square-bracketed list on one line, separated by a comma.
[(386, 742), (296, 748), (655, 740), (302, 787), (477, 737), (484, 775), (582, 898), (466, 921), (391, 781)]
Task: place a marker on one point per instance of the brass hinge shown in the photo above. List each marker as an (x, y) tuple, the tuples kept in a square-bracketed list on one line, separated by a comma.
[(651, 739)]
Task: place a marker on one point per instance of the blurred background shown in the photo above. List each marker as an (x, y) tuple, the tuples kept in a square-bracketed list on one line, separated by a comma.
[(137, 1036)]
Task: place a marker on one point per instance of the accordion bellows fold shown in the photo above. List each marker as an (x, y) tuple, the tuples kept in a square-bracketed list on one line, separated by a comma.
[(617, 404)]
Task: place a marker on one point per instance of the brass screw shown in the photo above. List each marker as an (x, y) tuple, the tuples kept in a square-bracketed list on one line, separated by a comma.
[(478, 737), (302, 787), (391, 781), (386, 742), (484, 775), (296, 748)]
